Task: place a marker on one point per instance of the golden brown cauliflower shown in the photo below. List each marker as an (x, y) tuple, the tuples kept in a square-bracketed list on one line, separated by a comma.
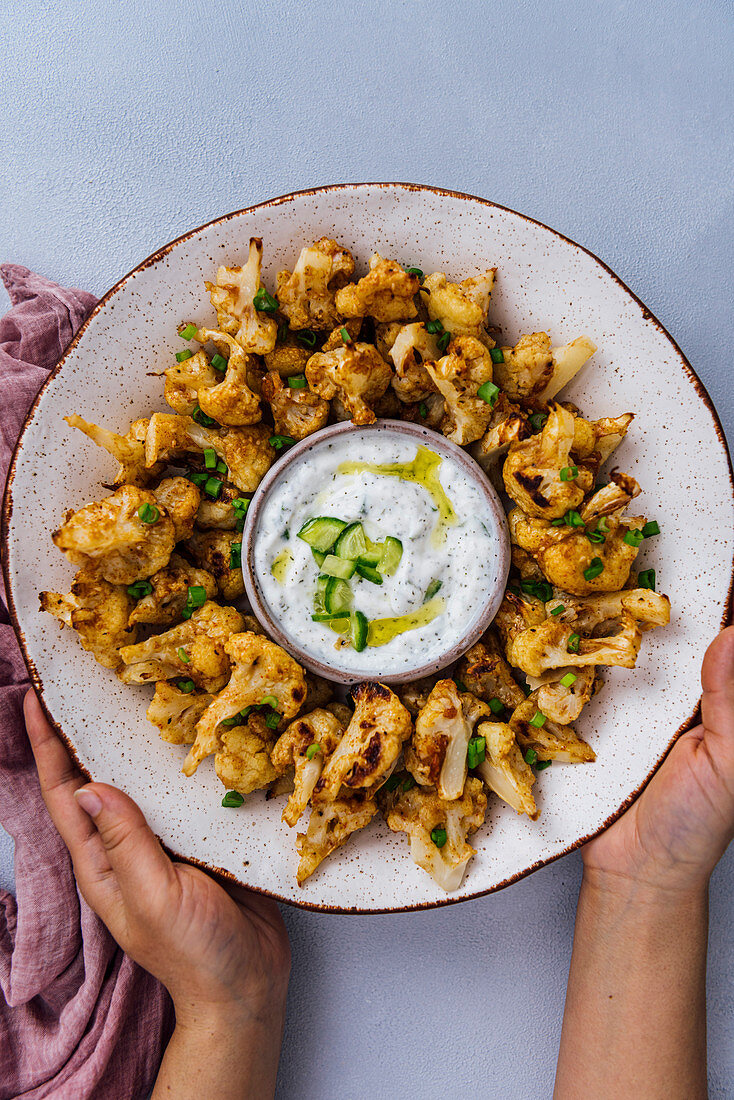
[(166, 602), (386, 293), (218, 514), (129, 449), (305, 744), (533, 469), (98, 611), (410, 349), (414, 694), (184, 381), (176, 712), (356, 373), (436, 754), (329, 826), (540, 648), (533, 370), (648, 609), (126, 537), (181, 500), (245, 451), (226, 396), (212, 551), (192, 651), (243, 761), (507, 425), (306, 296), (370, 745), (427, 819), (233, 298), (296, 412), (287, 358), (486, 673), (504, 769), (458, 376), (260, 669), (460, 307), (595, 440), (549, 741), (564, 702)]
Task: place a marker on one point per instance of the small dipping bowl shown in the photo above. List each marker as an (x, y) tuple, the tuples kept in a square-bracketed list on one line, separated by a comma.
[(278, 507)]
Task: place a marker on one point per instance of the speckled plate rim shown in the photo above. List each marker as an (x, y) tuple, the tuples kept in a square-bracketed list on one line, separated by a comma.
[(155, 257), (253, 587)]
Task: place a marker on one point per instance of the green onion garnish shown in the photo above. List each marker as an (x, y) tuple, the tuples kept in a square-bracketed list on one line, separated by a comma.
[(497, 355), (646, 579), (573, 519), (537, 420), (265, 302), (489, 392), (222, 468), (272, 721), (569, 473), (235, 555), (557, 610), (603, 525), (568, 680), (434, 327), (307, 337), (229, 722), (240, 505), (297, 382), (496, 705), (344, 333), (595, 536), (408, 783), (183, 655), (460, 684), (213, 487), (530, 756), (573, 643), (195, 597), (219, 363), (182, 356), (269, 701), (542, 765), (476, 752), (198, 477), (651, 528), (538, 720), (312, 750), (283, 331), (439, 836), (148, 513), (414, 271), (210, 458), (201, 418), (633, 538), (186, 686), (444, 340), (391, 783), (422, 409), (188, 332), (139, 589), (596, 566), (540, 589), (232, 799), (280, 441)]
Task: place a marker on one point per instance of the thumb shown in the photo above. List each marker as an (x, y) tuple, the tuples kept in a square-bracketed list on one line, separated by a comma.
[(717, 701)]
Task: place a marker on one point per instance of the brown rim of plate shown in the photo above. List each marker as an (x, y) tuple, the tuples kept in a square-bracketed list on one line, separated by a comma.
[(154, 258), (439, 443)]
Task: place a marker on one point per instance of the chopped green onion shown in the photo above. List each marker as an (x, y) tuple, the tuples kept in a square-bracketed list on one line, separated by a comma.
[(439, 836), (235, 555), (603, 525), (148, 513), (434, 327), (568, 680), (344, 333), (210, 458), (569, 473), (573, 519), (444, 340), (497, 355), (391, 783), (422, 409), (432, 589), (408, 783), (272, 721), (186, 686), (265, 302), (557, 610), (476, 752), (229, 722), (182, 356), (213, 487), (540, 589), (596, 566), (489, 393), (460, 684), (188, 332), (414, 271), (542, 765), (139, 589), (573, 643), (183, 655), (537, 420), (531, 756), (201, 418), (240, 505), (283, 331), (269, 701), (595, 536), (306, 337), (538, 720), (496, 705), (232, 800), (646, 579), (312, 750), (198, 477), (219, 363), (222, 468), (633, 538), (297, 382), (195, 597), (280, 441)]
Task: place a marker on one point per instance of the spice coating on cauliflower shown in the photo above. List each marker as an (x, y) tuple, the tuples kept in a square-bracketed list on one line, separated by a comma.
[(225, 397), (218, 552), (307, 295), (356, 373), (386, 293), (436, 755), (296, 412), (175, 712), (128, 449), (233, 297), (329, 827), (98, 611), (458, 376), (306, 744), (165, 604), (460, 307), (243, 761), (504, 769)]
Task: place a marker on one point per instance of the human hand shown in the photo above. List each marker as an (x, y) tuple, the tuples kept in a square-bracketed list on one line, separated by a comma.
[(674, 834)]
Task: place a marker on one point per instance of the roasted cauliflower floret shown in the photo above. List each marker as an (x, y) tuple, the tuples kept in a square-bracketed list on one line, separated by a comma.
[(166, 602), (98, 611), (564, 702), (436, 755), (535, 469), (129, 449), (296, 412), (371, 744), (414, 694), (429, 819), (386, 293), (233, 297), (330, 825), (549, 741), (486, 673), (540, 648), (219, 514), (260, 669), (243, 761), (460, 307), (213, 551), (410, 349), (535, 370), (305, 744), (595, 440), (245, 451), (515, 614), (458, 376), (306, 296), (504, 769), (357, 374), (288, 358), (176, 712), (648, 609), (507, 425), (225, 397), (184, 381), (181, 500), (126, 537), (193, 650)]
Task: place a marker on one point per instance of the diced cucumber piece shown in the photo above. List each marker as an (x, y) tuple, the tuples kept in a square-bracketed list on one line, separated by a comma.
[(338, 567), (392, 552), (325, 617), (338, 596), (319, 600), (352, 542), (433, 588), (372, 554), (369, 573), (321, 533), (358, 627), (319, 555)]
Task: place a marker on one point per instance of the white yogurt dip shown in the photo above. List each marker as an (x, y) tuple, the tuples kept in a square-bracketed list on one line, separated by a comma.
[(453, 552)]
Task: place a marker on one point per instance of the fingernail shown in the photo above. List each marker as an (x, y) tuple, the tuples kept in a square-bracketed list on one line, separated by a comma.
[(90, 802)]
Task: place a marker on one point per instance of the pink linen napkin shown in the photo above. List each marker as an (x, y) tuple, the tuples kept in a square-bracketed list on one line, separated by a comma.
[(78, 1018)]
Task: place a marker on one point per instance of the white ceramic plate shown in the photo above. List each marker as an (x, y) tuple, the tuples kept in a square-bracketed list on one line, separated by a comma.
[(546, 282)]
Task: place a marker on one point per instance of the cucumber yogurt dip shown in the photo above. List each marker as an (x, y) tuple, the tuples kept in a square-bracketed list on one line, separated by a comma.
[(376, 552)]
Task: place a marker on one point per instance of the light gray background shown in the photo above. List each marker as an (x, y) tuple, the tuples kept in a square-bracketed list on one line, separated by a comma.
[(123, 125)]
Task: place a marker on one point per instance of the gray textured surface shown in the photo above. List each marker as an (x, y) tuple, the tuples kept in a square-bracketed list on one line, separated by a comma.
[(123, 128)]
